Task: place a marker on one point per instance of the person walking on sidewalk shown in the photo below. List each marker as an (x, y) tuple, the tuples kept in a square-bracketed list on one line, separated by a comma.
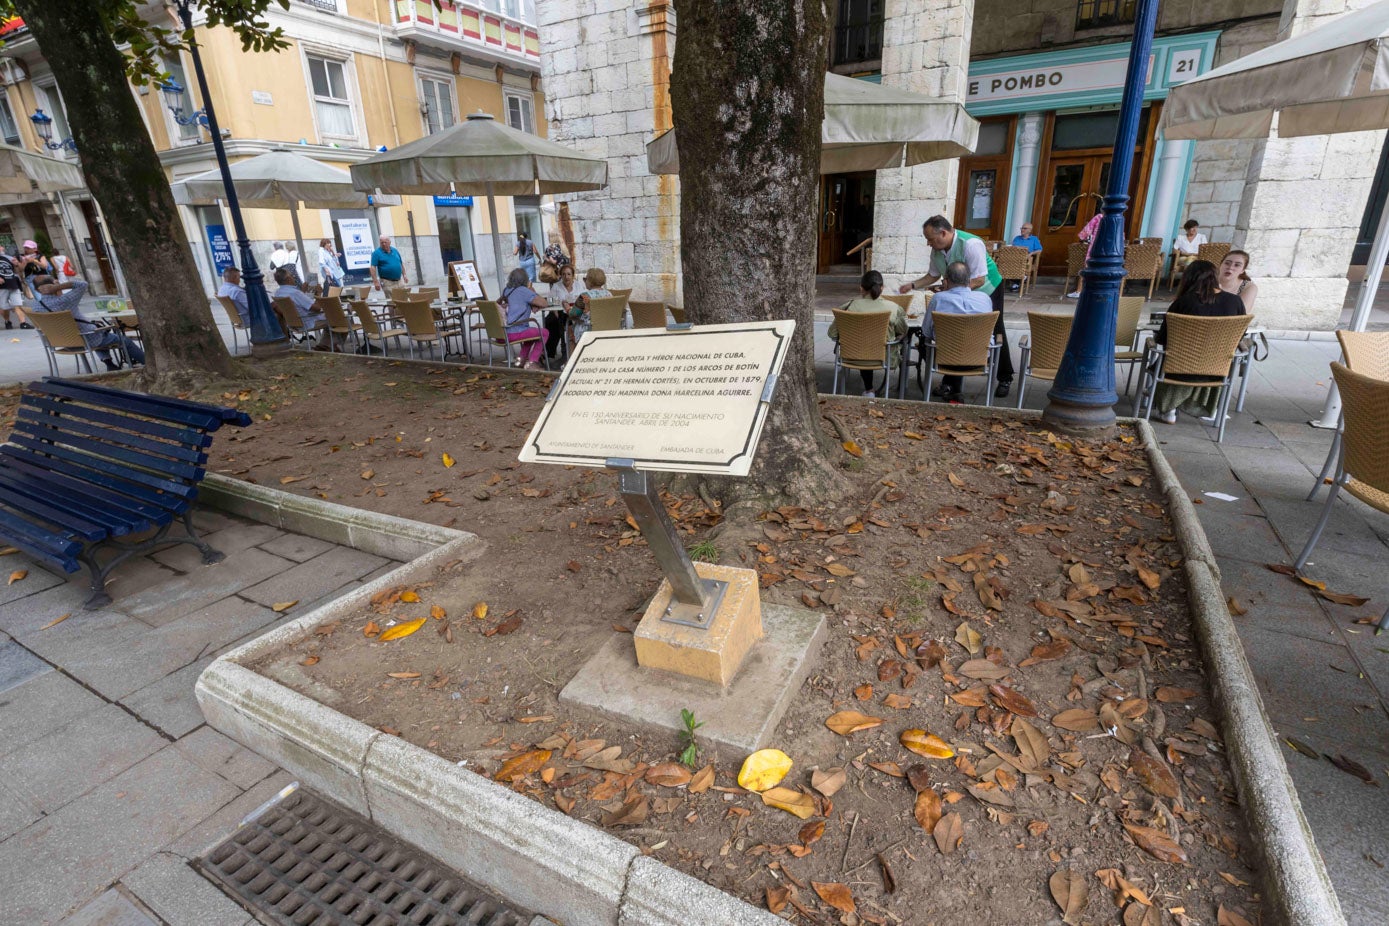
[(949, 245), (11, 291)]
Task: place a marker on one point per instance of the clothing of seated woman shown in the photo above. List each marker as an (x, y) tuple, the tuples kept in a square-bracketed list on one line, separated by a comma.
[(870, 300), (518, 301), (563, 292), (595, 287), (1199, 293)]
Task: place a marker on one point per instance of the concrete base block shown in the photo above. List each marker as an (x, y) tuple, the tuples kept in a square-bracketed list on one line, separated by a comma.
[(740, 716), (658, 895), (712, 653)]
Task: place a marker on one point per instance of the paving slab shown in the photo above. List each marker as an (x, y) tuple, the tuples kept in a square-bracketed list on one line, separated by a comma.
[(77, 757), (168, 705), (64, 600), (97, 838), (15, 812), (315, 577), (234, 538), (216, 826), (35, 581), (182, 897), (40, 705), (224, 756), (204, 586), (18, 665), (297, 547), (110, 908)]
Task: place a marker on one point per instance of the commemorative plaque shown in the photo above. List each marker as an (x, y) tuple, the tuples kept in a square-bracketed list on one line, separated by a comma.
[(687, 401)]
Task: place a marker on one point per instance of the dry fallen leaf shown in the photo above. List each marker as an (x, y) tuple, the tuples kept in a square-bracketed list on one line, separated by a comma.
[(763, 769), (1123, 889), (309, 661), (847, 722), (811, 832), (668, 775), (927, 809), (949, 833), (528, 763), (283, 606), (1077, 720), (632, 813), (410, 597), (836, 895), (403, 674), (1353, 601), (437, 612), (777, 897), (1224, 917), (371, 629), (828, 781), (400, 631), (1149, 578), (1169, 695), (1136, 914), (56, 620), (1235, 608), (508, 626), (1011, 701), (1318, 584), (480, 610), (1070, 893), (1032, 744), (702, 780), (793, 802), (286, 480), (17, 575), (1153, 775), (852, 448), (1156, 843), (926, 744), (448, 461), (968, 638)]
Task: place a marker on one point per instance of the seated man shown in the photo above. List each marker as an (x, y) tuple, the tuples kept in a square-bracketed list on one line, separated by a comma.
[(231, 288), (67, 297), (1025, 239), (309, 312), (957, 299)]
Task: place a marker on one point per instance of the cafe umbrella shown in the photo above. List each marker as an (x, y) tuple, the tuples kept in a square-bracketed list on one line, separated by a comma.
[(482, 157), (1327, 80), (278, 179), (26, 177), (867, 127)]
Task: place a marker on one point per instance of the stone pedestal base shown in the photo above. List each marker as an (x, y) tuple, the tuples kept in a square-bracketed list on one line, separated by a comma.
[(741, 717), (714, 653)]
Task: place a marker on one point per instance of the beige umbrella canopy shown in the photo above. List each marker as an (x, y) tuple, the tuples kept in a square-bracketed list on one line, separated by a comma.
[(1328, 80), (868, 127), (482, 157), (25, 176), (278, 179)]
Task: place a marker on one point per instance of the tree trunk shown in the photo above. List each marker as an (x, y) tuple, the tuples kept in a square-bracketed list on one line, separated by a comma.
[(748, 93), (182, 342)]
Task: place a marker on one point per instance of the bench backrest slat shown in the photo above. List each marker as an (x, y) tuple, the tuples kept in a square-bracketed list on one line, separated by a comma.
[(44, 425), (97, 449), (186, 437), (41, 475), (197, 414), (111, 475)]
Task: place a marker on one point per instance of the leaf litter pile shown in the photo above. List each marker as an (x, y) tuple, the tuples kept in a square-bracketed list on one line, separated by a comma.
[(1008, 723)]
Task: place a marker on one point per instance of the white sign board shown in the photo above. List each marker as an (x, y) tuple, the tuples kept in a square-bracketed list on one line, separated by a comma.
[(356, 243), (1044, 81), (677, 401), (1183, 65), (466, 275), (262, 98)]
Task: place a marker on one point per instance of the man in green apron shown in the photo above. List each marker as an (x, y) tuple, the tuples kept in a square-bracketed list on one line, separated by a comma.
[(948, 245)]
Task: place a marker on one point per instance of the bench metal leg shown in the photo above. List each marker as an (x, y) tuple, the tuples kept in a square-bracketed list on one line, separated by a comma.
[(100, 571)]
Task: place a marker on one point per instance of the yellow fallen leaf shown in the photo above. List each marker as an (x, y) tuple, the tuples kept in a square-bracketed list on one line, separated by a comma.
[(403, 630), (286, 480), (401, 674), (912, 435), (926, 744), (846, 722), (437, 612), (372, 629), (793, 802), (763, 769), (368, 473), (56, 620), (1318, 584), (283, 606), (480, 610), (17, 575), (310, 660), (448, 461), (410, 597), (853, 448), (527, 763)]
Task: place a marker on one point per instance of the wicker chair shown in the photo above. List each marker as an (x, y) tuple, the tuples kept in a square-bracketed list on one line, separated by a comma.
[(677, 313), (238, 322), (62, 336), (1197, 346), (290, 320), (1075, 262), (497, 334), (647, 314), (903, 299), (372, 331), (862, 344), (1126, 336), (1366, 353), (1143, 262), (1214, 252), (1014, 264), (606, 314), (1043, 347), (1362, 465), (966, 344), (339, 325), (624, 293)]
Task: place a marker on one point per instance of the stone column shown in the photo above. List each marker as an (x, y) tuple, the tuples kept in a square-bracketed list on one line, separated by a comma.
[(1302, 204), (925, 50), (1167, 189), (1025, 174), (605, 69)]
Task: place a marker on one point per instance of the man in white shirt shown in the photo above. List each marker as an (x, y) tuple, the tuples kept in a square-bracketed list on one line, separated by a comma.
[(1186, 246)]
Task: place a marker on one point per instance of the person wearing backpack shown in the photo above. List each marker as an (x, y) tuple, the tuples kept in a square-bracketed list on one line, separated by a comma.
[(525, 250), (11, 291)]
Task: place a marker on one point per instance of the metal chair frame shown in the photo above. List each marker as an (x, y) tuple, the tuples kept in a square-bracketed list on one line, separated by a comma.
[(1155, 362), (1046, 338), (866, 332), (988, 369), (497, 333), (59, 334)]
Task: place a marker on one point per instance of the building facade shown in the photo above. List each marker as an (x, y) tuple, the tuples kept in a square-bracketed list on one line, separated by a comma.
[(1045, 78), (357, 76)]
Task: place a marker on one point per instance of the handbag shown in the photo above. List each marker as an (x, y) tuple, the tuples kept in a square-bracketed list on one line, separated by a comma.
[(549, 272)]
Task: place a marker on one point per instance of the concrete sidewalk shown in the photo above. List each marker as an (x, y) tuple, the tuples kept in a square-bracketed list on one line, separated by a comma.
[(109, 778)]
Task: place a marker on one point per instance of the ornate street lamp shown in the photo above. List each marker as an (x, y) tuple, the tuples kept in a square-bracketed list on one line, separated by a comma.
[(43, 124), (173, 98), (266, 335), (1082, 396)]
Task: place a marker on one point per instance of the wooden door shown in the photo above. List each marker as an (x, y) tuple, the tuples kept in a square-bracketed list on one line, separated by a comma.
[(1071, 191), (833, 189), (981, 203), (103, 258)]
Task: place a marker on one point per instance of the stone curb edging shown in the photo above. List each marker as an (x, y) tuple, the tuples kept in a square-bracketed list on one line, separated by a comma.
[(533, 855), (1297, 890)]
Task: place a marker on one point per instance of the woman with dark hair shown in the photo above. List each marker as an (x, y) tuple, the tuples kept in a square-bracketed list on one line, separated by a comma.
[(1199, 293), (526, 253), (517, 302), (871, 300), (1234, 278)]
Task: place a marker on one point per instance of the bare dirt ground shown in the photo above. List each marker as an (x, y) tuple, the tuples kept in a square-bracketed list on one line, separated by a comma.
[(1015, 595)]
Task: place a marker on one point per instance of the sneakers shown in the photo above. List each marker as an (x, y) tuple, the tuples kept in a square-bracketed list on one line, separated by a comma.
[(1002, 391), (1212, 419), (869, 394), (8, 324), (1074, 295), (1168, 417), (25, 325)]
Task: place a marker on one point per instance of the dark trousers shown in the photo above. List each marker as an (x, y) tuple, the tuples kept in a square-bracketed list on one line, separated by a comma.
[(554, 333), (1005, 357)]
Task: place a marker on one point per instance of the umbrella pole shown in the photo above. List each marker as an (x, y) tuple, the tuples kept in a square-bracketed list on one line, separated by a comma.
[(1360, 318), (299, 240), (415, 246), (496, 240)]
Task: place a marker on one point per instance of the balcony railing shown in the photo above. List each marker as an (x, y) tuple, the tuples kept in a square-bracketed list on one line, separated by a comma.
[(461, 26), (330, 6)]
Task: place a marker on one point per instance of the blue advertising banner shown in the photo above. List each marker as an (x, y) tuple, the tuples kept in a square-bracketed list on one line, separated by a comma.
[(453, 200), (221, 247)]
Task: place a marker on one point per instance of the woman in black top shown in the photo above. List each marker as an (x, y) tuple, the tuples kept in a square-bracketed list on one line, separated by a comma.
[(1199, 293)]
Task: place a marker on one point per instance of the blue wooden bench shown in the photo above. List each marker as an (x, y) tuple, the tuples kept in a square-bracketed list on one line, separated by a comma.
[(90, 470)]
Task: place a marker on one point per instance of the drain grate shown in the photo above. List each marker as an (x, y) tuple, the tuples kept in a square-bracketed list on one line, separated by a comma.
[(307, 862)]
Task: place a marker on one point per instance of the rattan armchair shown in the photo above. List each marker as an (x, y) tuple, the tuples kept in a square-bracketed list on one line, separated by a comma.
[(624, 293), (902, 299), (1075, 262), (1143, 262), (647, 314), (339, 325), (965, 345), (372, 332), (1043, 347), (862, 344), (1201, 350), (62, 336), (1362, 466), (422, 328), (1015, 263), (497, 333), (1214, 251), (606, 314), (290, 320), (1366, 353), (238, 321), (1126, 336)]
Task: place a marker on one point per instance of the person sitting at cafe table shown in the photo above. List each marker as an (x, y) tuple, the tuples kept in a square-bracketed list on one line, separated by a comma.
[(1187, 245), (306, 306), (519, 300), (563, 292), (871, 300), (67, 297), (231, 288), (595, 287), (1198, 293), (1026, 239), (958, 298)]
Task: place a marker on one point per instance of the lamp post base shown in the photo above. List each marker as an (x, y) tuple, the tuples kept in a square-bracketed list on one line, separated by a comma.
[(269, 349), (1089, 421)]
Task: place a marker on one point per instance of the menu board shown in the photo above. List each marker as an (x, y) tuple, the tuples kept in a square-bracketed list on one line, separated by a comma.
[(466, 279)]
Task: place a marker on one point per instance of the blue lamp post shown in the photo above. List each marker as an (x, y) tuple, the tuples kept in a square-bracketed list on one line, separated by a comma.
[(1082, 397), (173, 98), (266, 335), (43, 125)]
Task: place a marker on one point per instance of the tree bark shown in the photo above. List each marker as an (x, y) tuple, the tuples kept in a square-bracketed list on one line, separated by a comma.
[(181, 339), (748, 95)]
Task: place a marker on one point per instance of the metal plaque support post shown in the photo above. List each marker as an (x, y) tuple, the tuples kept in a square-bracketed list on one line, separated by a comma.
[(694, 600)]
